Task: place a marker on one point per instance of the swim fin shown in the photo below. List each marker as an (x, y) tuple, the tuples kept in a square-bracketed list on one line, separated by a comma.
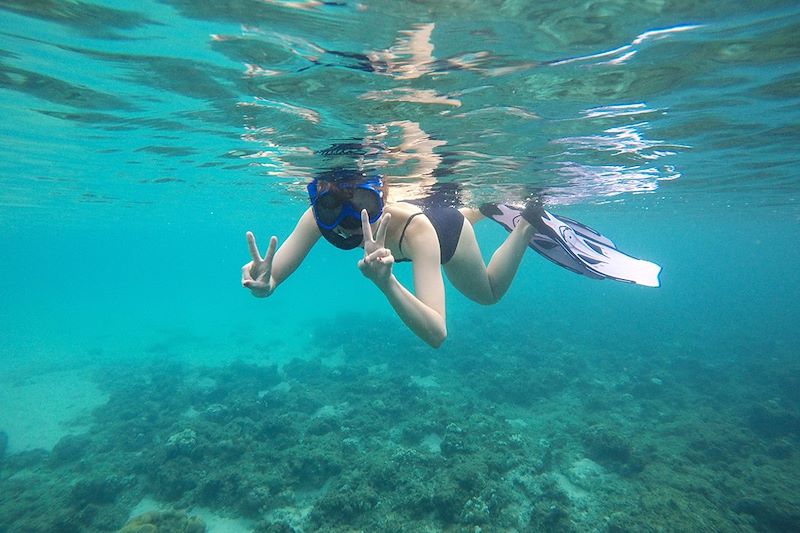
[(575, 246)]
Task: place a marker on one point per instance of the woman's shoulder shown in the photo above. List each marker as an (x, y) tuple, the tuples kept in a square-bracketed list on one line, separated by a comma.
[(402, 211), (409, 228)]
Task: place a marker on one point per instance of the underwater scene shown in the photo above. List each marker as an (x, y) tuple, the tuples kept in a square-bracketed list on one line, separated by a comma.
[(629, 361)]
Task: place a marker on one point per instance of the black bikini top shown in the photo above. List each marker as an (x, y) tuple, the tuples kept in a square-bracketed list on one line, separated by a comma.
[(403, 234)]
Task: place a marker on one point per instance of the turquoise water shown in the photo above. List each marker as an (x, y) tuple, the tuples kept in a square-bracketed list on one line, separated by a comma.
[(140, 141)]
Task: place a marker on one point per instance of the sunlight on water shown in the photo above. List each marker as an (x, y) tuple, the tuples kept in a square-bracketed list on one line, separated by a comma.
[(258, 89)]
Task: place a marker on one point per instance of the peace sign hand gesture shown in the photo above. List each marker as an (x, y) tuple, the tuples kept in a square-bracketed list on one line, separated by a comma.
[(378, 260), (257, 274)]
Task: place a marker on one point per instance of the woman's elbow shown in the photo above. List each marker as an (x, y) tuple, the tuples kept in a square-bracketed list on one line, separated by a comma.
[(436, 338)]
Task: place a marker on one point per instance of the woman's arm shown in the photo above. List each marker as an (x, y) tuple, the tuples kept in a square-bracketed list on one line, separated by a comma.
[(262, 276), (424, 311)]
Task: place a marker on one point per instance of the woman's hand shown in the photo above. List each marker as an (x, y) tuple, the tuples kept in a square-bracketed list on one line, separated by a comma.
[(257, 274), (378, 260)]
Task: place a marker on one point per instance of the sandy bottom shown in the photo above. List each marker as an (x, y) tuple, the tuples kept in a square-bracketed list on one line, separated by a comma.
[(39, 411), (215, 523)]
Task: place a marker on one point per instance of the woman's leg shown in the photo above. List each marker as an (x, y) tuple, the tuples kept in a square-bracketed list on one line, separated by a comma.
[(472, 214), (486, 284)]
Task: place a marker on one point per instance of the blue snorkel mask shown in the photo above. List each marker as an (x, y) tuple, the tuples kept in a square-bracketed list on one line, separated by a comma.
[(338, 208)]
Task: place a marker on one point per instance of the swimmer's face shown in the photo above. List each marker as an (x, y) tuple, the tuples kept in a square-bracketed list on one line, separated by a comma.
[(337, 207)]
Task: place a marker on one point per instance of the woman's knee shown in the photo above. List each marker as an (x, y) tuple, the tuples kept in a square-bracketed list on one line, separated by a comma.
[(485, 298)]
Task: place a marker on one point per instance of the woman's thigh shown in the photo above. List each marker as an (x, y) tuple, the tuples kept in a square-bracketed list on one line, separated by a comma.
[(466, 269)]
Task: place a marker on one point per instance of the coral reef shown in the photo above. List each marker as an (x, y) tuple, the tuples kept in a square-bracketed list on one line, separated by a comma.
[(542, 439)]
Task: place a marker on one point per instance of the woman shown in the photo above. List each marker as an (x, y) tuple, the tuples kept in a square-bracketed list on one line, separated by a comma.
[(350, 210)]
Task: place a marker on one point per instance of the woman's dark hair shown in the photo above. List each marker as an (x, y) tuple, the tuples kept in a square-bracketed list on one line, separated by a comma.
[(329, 179), (342, 174)]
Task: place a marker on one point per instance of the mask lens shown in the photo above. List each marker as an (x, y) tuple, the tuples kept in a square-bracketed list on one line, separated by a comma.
[(328, 208), (370, 200)]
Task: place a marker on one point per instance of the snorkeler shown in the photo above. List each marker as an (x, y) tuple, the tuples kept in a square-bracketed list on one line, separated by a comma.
[(350, 209)]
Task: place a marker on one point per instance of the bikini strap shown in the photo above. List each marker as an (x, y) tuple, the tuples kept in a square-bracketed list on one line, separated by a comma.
[(403, 234)]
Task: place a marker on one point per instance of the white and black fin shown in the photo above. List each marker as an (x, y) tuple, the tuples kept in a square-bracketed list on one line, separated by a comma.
[(508, 216), (575, 246)]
